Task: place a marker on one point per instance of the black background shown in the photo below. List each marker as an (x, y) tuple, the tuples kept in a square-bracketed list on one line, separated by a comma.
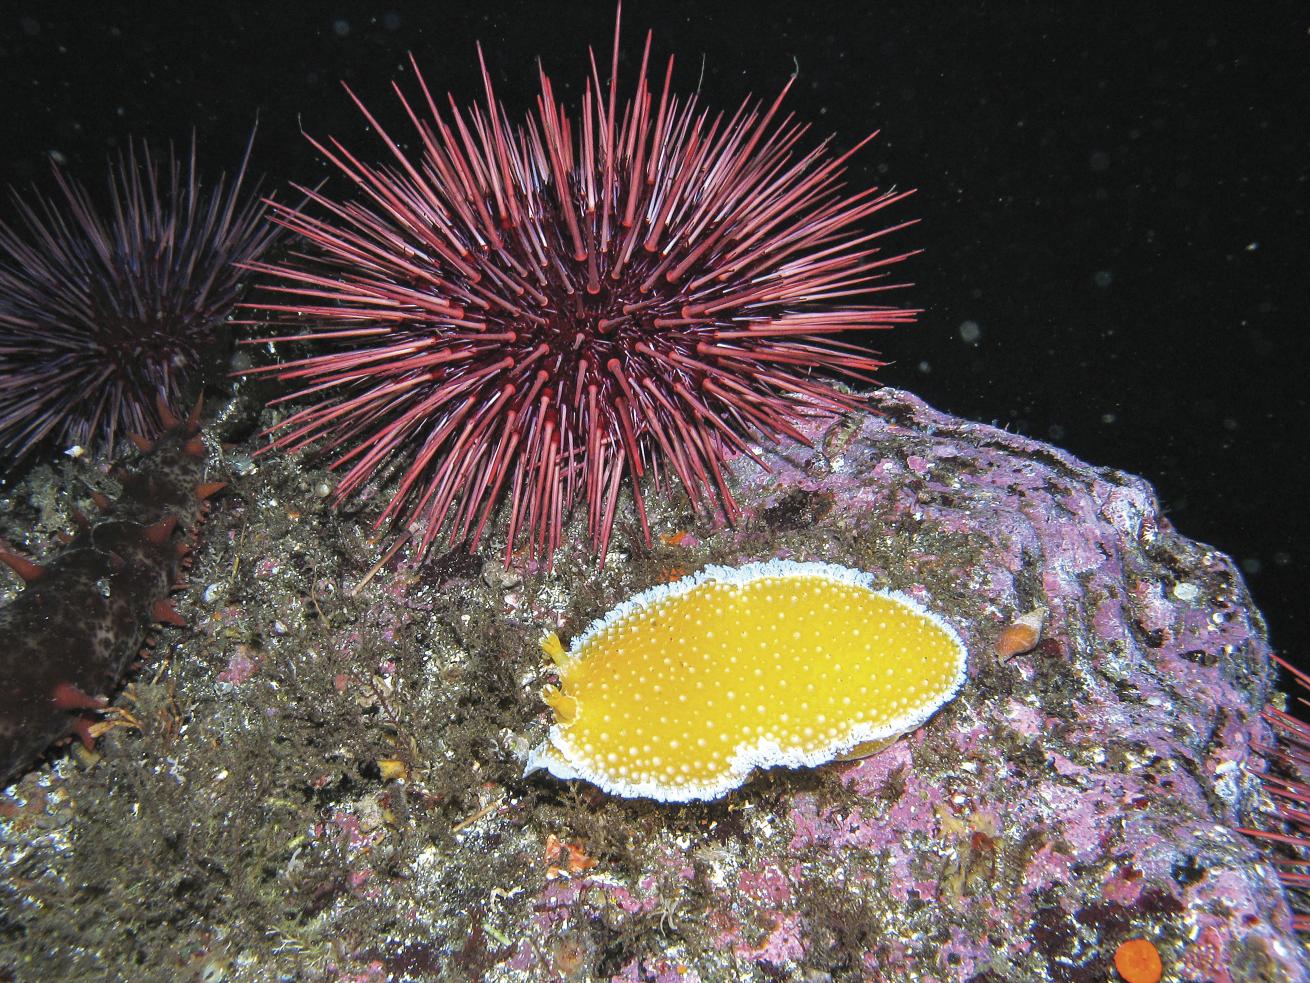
[(1113, 196)]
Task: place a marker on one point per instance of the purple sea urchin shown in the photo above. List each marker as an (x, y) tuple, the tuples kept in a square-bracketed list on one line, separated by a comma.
[(102, 313), (526, 313)]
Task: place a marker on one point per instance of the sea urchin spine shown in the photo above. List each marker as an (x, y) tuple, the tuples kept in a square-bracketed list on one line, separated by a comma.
[(105, 313), (1286, 781), (526, 313)]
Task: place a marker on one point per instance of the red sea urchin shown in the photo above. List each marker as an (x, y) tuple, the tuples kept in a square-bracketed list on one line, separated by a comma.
[(105, 313), (525, 313)]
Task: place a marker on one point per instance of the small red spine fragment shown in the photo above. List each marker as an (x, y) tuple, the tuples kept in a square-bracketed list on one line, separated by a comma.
[(66, 696), (164, 612), (25, 568)]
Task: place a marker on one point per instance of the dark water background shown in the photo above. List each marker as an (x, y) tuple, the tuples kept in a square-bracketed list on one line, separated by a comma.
[(1113, 197)]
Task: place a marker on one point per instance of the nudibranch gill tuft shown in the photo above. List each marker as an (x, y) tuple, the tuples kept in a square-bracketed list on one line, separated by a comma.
[(682, 691)]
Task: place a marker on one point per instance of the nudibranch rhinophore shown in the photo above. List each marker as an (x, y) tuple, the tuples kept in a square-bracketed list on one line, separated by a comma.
[(682, 691)]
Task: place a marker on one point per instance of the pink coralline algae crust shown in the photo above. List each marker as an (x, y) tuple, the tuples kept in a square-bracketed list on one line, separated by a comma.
[(1073, 797), (241, 666)]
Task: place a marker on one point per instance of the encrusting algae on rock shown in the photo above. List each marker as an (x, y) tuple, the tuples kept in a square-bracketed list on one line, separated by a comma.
[(683, 690)]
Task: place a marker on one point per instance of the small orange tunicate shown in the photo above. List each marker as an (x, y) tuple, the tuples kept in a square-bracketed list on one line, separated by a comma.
[(682, 691), (1138, 961)]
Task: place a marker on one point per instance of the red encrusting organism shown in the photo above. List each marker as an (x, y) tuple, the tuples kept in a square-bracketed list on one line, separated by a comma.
[(526, 313), (72, 632)]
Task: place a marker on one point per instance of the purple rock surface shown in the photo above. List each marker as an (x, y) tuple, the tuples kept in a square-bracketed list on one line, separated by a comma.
[(1074, 796), (351, 754)]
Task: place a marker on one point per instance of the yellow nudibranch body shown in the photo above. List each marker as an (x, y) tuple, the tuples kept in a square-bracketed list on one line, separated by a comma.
[(682, 691)]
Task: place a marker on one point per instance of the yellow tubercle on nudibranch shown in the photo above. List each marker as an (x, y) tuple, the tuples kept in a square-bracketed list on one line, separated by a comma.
[(682, 691)]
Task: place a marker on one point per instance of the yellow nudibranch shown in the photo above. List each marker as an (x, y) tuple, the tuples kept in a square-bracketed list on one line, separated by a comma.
[(682, 691)]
